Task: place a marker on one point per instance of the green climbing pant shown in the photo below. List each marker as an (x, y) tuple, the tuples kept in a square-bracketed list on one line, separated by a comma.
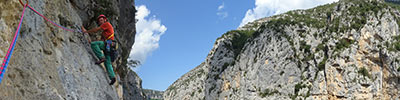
[(97, 46)]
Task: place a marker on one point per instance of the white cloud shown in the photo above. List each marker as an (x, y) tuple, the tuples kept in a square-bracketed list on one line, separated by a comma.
[(221, 13), (221, 6), (149, 30), (266, 8)]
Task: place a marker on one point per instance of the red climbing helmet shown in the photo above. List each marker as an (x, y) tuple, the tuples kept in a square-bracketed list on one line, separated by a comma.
[(102, 16)]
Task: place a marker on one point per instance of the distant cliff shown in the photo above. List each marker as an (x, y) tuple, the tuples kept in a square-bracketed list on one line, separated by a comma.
[(49, 63), (153, 94), (345, 50)]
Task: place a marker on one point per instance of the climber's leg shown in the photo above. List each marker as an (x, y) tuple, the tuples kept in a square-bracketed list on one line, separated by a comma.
[(109, 67), (97, 46), (110, 70)]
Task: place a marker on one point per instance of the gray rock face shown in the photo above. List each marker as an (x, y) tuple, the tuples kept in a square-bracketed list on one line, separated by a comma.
[(344, 50), (49, 63), (190, 86), (153, 94), (133, 87)]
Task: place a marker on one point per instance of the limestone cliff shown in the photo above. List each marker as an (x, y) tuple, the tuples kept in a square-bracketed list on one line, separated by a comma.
[(49, 63), (153, 94), (344, 50)]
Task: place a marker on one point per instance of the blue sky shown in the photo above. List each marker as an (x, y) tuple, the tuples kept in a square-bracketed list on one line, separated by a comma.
[(174, 36)]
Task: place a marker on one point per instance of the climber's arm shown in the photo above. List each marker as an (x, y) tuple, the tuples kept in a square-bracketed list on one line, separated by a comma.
[(91, 30)]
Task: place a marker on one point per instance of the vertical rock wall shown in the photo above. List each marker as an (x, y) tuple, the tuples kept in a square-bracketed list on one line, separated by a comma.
[(49, 63)]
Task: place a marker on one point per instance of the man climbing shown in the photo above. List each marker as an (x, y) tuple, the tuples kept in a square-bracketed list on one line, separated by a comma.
[(97, 46)]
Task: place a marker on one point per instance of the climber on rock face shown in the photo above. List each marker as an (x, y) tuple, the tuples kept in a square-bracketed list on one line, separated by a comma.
[(97, 46)]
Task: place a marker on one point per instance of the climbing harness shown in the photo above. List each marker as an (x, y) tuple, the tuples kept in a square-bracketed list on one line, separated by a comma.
[(12, 45), (108, 45), (109, 37), (111, 49)]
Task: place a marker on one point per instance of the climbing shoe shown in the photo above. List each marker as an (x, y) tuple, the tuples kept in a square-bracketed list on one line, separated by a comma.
[(101, 61), (112, 81)]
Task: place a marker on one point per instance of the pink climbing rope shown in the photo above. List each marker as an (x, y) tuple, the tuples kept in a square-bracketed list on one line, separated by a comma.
[(12, 45)]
